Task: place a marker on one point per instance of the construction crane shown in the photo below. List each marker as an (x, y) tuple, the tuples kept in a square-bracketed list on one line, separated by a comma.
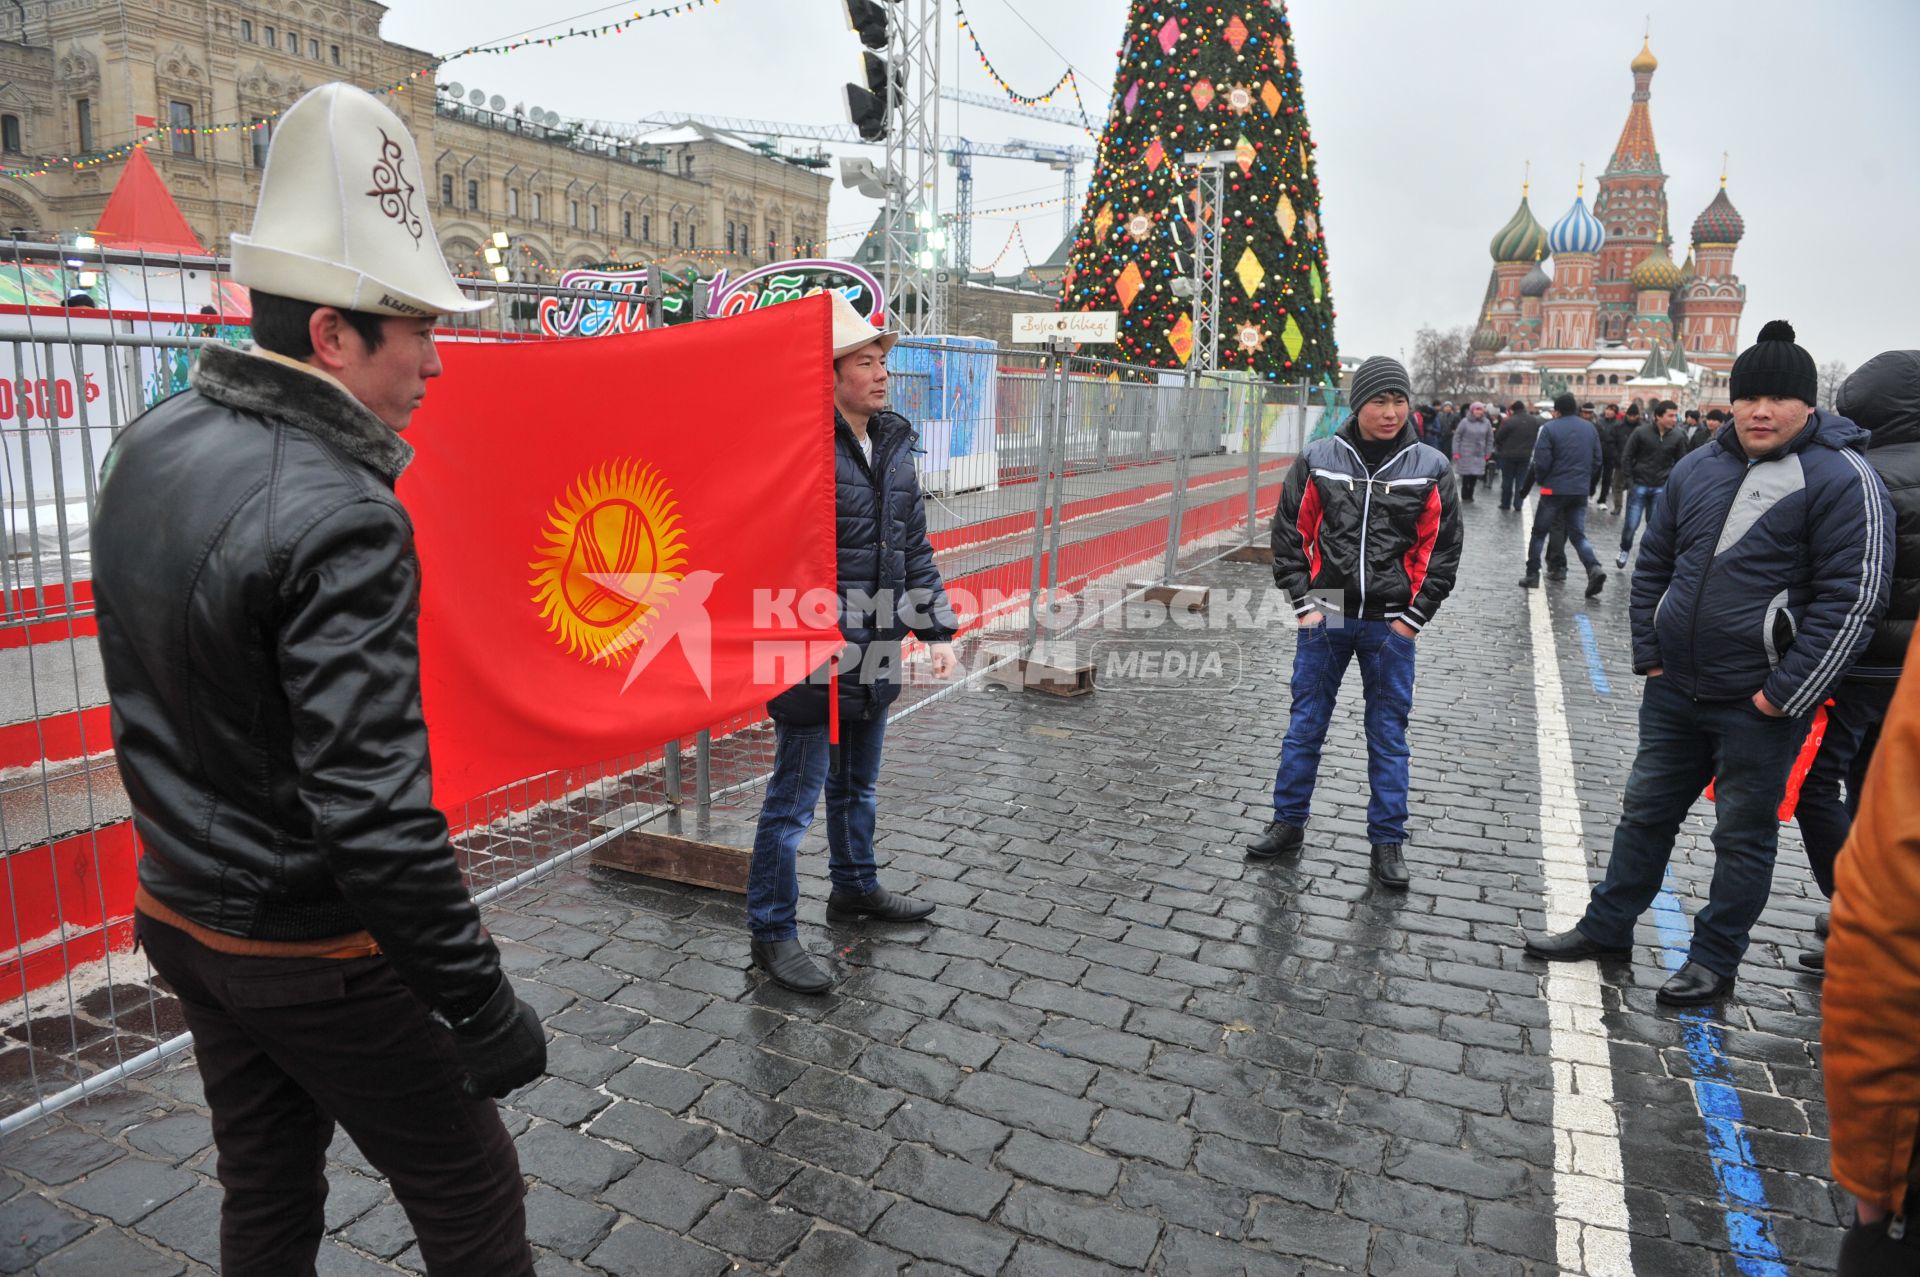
[(1052, 114), (959, 151)]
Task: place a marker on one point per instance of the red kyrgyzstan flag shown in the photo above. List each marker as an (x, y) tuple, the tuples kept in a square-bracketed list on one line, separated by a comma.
[(595, 519)]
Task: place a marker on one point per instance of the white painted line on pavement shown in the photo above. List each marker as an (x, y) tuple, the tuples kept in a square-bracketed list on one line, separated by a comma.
[(1589, 1195)]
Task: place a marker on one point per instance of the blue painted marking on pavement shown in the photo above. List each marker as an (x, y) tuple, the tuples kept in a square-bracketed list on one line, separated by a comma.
[(1595, 670), (1742, 1193)]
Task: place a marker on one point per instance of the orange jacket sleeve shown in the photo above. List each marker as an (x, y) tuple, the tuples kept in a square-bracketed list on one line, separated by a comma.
[(1870, 1029)]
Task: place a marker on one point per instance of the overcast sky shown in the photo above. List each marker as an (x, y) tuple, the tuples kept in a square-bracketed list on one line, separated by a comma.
[(1424, 113)]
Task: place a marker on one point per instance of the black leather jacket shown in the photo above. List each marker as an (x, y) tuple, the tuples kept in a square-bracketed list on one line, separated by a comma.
[(257, 589)]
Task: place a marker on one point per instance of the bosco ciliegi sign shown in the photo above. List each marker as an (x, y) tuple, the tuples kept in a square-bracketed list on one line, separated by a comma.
[(624, 310), (1074, 325)]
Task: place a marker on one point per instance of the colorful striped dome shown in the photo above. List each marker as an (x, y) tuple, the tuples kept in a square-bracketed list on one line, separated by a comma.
[(1522, 239), (1720, 222), (1578, 232)]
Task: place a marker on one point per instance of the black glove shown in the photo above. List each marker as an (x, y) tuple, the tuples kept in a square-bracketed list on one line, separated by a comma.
[(502, 1045)]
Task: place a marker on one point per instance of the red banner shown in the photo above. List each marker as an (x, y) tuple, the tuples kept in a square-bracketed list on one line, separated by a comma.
[(612, 536)]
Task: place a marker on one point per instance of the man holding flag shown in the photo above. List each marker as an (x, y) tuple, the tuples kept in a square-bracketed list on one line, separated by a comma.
[(829, 729), (257, 591)]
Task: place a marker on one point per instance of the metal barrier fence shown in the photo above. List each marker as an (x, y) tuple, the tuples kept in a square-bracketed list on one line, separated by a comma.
[(1047, 473)]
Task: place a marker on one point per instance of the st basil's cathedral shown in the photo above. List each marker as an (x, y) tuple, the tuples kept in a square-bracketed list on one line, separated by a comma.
[(1616, 320)]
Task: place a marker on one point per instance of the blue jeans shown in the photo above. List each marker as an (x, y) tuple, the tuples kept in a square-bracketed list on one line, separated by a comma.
[(1640, 501), (1571, 513), (1683, 745), (1386, 679), (1513, 484), (800, 771)]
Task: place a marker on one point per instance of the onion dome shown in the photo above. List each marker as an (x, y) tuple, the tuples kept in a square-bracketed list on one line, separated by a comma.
[(1656, 272), (1644, 60), (1578, 232), (1537, 282), (1720, 222), (1522, 239), (1489, 340), (1687, 273)]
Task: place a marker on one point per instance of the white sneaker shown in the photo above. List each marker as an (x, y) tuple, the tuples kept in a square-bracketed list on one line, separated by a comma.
[(1620, 561)]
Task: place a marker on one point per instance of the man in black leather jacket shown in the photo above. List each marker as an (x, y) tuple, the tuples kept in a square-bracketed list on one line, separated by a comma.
[(257, 591)]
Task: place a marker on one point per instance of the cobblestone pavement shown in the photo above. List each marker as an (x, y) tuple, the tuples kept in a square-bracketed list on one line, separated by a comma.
[(1118, 1047)]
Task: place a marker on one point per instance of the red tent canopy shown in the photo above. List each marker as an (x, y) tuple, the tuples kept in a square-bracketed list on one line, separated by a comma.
[(141, 214)]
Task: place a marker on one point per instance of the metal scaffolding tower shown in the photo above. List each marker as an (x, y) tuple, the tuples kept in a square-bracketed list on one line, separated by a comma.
[(911, 231)]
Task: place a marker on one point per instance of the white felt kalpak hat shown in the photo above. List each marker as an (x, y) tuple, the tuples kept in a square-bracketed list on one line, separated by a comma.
[(343, 220), (851, 332)]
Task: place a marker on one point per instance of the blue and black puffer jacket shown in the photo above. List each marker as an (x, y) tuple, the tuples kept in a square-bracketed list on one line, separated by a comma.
[(1765, 575), (888, 584)]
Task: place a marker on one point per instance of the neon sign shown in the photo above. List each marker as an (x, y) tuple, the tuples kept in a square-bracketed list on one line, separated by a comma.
[(624, 308)]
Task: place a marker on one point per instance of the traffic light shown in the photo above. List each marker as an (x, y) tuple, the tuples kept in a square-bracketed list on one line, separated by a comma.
[(867, 103)]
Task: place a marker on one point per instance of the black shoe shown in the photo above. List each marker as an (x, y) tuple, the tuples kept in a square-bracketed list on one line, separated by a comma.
[(1389, 866), (790, 965), (1280, 839), (1556, 574), (1596, 581), (1571, 945), (878, 905), (1531, 581), (1821, 923), (1693, 985), (1814, 959)]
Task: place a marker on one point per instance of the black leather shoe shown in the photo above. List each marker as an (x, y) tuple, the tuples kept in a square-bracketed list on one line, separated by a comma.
[(1390, 867), (878, 905), (1693, 985), (790, 965), (1280, 839), (1571, 945), (1596, 581), (1531, 581), (1814, 960), (1821, 923)]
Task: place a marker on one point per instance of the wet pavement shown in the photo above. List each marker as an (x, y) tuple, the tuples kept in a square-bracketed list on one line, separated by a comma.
[(1117, 1046)]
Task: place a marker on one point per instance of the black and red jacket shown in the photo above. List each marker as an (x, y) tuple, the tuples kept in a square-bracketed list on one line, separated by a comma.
[(1377, 547)]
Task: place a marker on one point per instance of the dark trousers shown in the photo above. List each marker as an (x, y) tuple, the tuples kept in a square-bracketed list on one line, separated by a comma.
[(1824, 813), (1513, 484), (1558, 511), (289, 1046), (1467, 484), (1868, 1251), (1608, 464), (800, 771), (1683, 745)]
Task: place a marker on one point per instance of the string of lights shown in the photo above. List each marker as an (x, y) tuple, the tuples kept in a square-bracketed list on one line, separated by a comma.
[(151, 133), (1067, 80)]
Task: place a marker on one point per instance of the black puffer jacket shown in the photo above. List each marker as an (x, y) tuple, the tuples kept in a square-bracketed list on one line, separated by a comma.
[(889, 586), (257, 595), (1379, 547), (1649, 456), (1883, 396)]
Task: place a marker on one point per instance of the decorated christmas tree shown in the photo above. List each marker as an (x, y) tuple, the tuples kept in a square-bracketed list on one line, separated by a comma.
[(1200, 77)]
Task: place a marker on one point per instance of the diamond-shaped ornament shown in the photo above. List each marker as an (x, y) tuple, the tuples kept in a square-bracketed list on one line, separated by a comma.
[(1279, 55), (1102, 223), (1133, 97), (1249, 271), (1169, 36), (1203, 94), (1180, 337), (1286, 216), (1156, 155), (1292, 338), (1239, 99), (1139, 225), (1319, 288), (1303, 157), (1236, 33), (1243, 154), (1128, 285), (1270, 98), (1313, 225)]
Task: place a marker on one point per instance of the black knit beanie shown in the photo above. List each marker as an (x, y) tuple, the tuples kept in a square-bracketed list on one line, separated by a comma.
[(1774, 365), (1378, 376)]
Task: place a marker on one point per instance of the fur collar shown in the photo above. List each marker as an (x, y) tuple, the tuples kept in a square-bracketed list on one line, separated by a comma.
[(267, 388)]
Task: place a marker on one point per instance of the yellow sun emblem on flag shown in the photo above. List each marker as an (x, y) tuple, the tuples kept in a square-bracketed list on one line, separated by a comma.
[(612, 554)]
